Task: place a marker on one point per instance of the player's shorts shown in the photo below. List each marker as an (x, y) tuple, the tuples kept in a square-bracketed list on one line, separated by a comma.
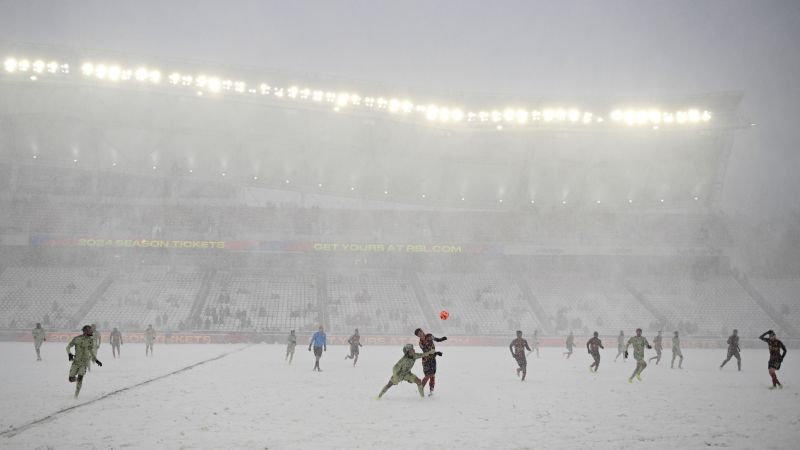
[(774, 362), (354, 349), (37, 344), (658, 351), (596, 356), (677, 352), (317, 351), (732, 353), (290, 348), (78, 369), (115, 345), (409, 377), (429, 367), (522, 361)]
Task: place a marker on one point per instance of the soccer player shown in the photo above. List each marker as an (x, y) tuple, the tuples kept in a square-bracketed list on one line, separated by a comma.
[(593, 346), (427, 344), (775, 356), (733, 350), (535, 343), (676, 352), (620, 346), (291, 343), (149, 339), (116, 342), (402, 370), (38, 338), (84, 355), (355, 342), (320, 343), (658, 347), (638, 342), (570, 344), (517, 348)]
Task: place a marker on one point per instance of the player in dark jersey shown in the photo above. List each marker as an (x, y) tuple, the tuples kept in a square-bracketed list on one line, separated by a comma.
[(733, 350), (426, 344), (593, 346), (355, 343), (775, 356), (517, 349)]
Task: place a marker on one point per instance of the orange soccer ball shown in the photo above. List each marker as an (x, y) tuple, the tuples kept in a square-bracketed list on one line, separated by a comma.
[(444, 315)]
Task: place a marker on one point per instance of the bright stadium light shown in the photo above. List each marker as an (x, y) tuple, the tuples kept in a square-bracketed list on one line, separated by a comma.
[(317, 96), (483, 116), (654, 116), (509, 115), (114, 73), (536, 115), (457, 115), (292, 92), (630, 117), (681, 117), (38, 66), (214, 85), (522, 116), (444, 115), (87, 69), (617, 115), (587, 117), (561, 114), (668, 118), (706, 116), (694, 115), (549, 115), (23, 65), (394, 105), (52, 67), (641, 117), (10, 65), (342, 99), (496, 116), (263, 88), (574, 115), (432, 112)]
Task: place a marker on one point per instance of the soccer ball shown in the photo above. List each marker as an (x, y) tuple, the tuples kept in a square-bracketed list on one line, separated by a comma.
[(444, 315)]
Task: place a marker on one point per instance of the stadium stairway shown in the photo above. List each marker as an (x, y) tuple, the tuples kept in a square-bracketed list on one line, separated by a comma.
[(768, 309), (202, 294), (643, 300), (422, 299), (95, 297), (529, 296), (322, 297)]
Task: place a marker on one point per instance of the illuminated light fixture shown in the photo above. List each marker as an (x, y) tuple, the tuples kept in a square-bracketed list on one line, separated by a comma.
[(496, 116), (499, 128), (681, 117), (600, 120), (23, 65), (100, 71), (587, 117), (64, 68), (227, 84), (255, 178), (201, 81), (155, 77), (214, 84), (239, 87), (10, 65), (463, 199), (432, 112), (263, 88), (641, 116), (141, 74), (509, 115), (655, 127), (191, 170), (341, 99), (668, 117), (287, 181), (533, 202), (174, 78), (330, 97), (317, 96), (457, 115), (617, 115), (472, 117), (52, 67), (549, 115), (407, 106), (305, 94), (536, 115), (630, 117), (352, 188), (75, 161), (501, 200), (561, 114), (630, 201), (483, 116), (187, 80), (662, 200), (694, 115), (394, 105), (563, 202), (444, 115), (706, 116), (292, 92), (654, 116), (126, 75), (113, 164), (336, 109), (34, 78), (35, 156), (114, 73), (598, 202), (199, 93), (522, 116), (424, 196), (154, 167), (224, 174), (696, 198), (319, 185), (385, 192), (38, 66), (574, 115), (355, 99)]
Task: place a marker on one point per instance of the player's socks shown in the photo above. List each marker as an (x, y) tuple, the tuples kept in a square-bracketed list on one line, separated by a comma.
[(639, 376), (421, 390)]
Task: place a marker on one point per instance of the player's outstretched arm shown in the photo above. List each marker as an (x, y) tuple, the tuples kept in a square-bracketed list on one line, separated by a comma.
[(441, 339)]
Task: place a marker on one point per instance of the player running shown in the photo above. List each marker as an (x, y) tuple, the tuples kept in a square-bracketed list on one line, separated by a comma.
[(402, 370), (320, 342), (517, 348), (638, 342), (116, 342), (676, 352), (775, 356), (733, 350), (38, 339), (593, 346), (658, 347), (355, 343), (620, 346), (570, 344), (426, 344), (535, 343), (149, 339), (84, 355), (291, 343)]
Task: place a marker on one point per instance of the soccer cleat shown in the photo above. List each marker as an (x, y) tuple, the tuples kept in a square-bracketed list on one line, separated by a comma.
[(430, 394), (630, 380), (518, 371), (639, 376), (772, 388), (421, 390)]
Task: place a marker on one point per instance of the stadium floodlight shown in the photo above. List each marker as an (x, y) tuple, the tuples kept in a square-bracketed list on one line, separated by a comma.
[(126, 75), (331, 97), (35, 156), (561, 114), (214, 84), (483, 116), (174, 78), (574, 115), (432, 112), (264, 88), (155, 76), (239, 87), (87, 69), (654, 116), (224, 174), (114, 73), (706, 116), (499, 127), (141, 74), (406, 105), (38, 66), (457, 115), (668, 117), (549, 115), (255, 177), (522, 116), (352, 188), (23, 65), (52, 67), (641, 117), (444, 115), (533, 202), (287, 181), (319, 185), (600, 120), (617, 115), (187, 80), (100, 71), (509, 115), (305, 94), (587, 117), (630, 201), (630, 117), (385, 192), (201, 81), (424, 196), (227, 84), (292, 92), (681, 117), (563, 202), (317, 96), (496, 116), (342, 99), (696, 198), (10, 65), (113, 164), (536, 115), (694, 115), (394, 105)]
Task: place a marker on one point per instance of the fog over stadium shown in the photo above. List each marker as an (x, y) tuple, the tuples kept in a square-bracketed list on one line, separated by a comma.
[(484, 186)]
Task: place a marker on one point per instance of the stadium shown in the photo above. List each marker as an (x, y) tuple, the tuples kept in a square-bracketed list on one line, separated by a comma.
[(226, 205)]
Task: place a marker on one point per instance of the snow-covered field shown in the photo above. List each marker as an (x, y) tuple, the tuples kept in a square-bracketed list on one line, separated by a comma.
[(252, 399)]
